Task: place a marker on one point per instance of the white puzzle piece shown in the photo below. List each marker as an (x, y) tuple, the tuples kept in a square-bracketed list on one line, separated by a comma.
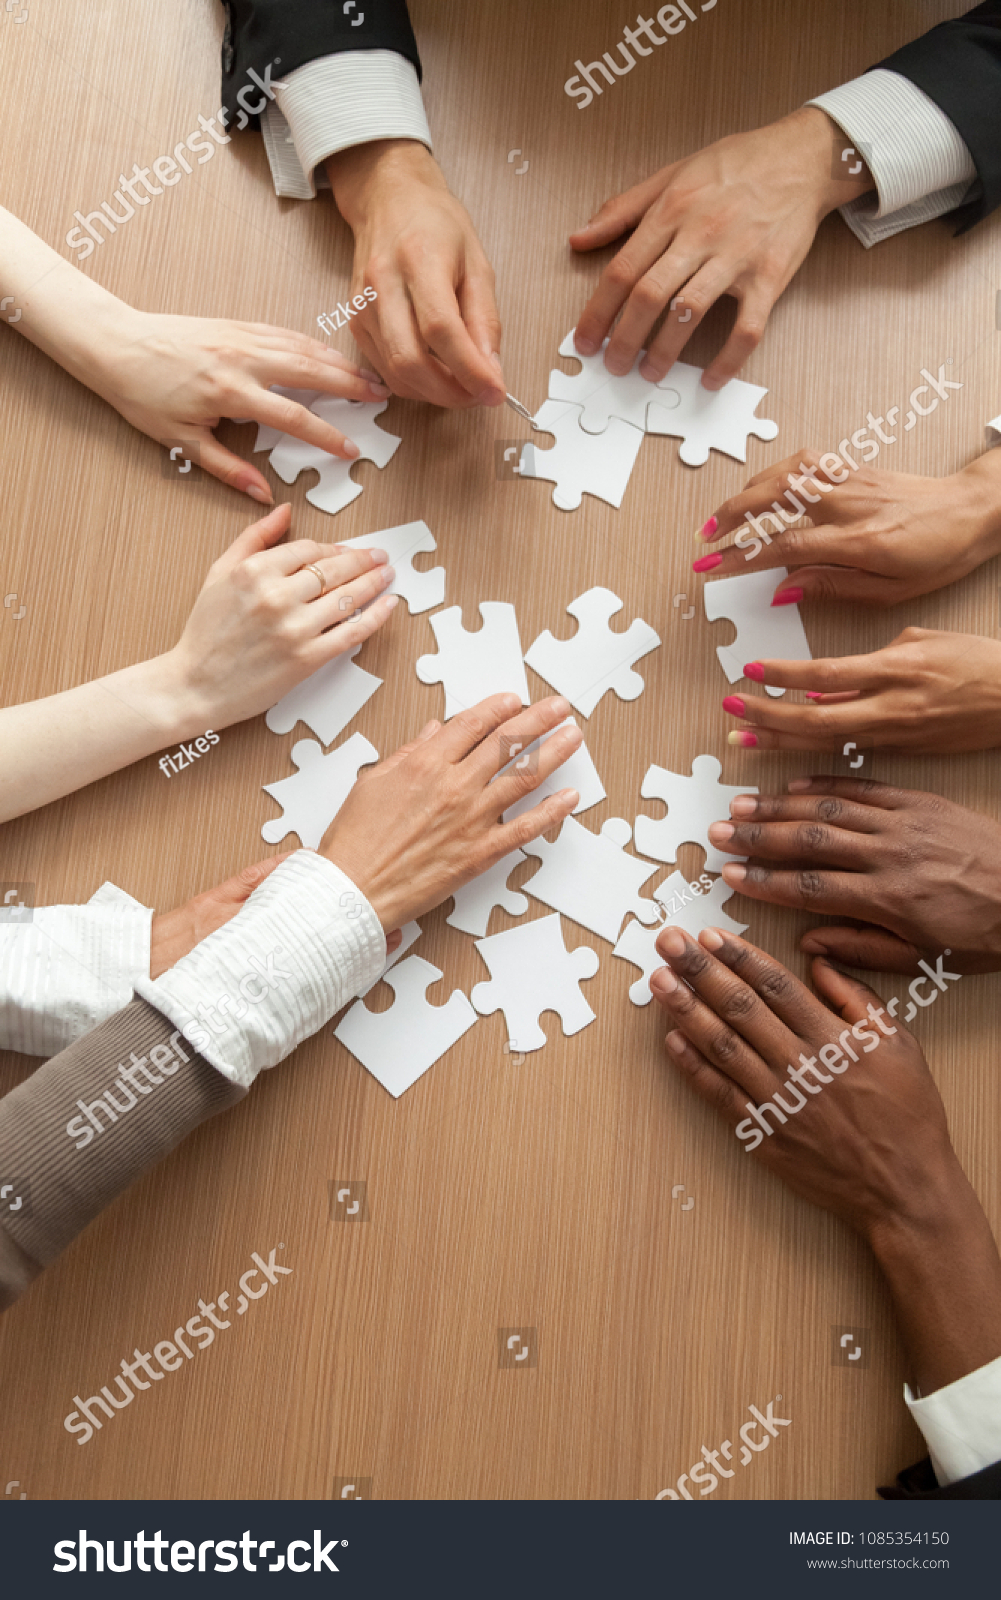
[(398, 1045), (411, 932), (708, 420), (531, 971), (577, 772), (579, 463), (595, 659), (693, 805), (336, 488), (589, 877), (683, 907), (312, 798), (421, 590), (764, 632), (471, 666), (327, 700), (476, 899), (601, 395)]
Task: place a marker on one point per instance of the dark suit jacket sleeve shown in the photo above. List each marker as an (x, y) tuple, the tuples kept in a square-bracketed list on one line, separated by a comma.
[(958, 65), (918, 1483), (288, 33)]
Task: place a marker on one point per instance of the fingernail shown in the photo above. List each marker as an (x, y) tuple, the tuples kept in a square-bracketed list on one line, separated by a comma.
[(799, 785), (559, 706), (706, 563), (672, 942), (710, 939), (744, 805), (755, 670), (733, 872), (587, 347), (708, 528), (734, 704), (676, 1042), (570, 797), (811, 694), (489, 397), (495, 358), (380, 390), (712, 384), (264, 497), (788, 597), (747, 741), (370, 377), (391, 601), (389, 576), (378, 557), (350, 450), (812, 946), (720, 832), (648, 370)]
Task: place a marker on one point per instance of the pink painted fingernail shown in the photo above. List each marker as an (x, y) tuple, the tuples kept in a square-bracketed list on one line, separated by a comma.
[(811, 694), (788, 597), (747, 741), (755, 670), (709, 528), (734, 704), (706, 563)]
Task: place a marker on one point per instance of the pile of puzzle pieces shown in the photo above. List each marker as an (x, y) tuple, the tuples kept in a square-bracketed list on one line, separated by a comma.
[(599, 421)]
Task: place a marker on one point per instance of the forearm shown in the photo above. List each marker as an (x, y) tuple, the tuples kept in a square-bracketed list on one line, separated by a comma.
[(943, 1270), (72, 739), (63, 312), (981, 481)]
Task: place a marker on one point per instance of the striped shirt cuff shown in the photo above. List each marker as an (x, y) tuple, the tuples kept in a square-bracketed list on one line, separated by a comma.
[(961, 1423), (920, 164), (334, 103)]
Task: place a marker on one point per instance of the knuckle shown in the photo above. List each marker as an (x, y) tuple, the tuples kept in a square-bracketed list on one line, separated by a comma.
[(811, 836), (648, 297), (776, 985), (829, 809), (724, 1045), (809, 884), (737, 1004)]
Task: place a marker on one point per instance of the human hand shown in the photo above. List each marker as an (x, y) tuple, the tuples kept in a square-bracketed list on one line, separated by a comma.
[(736, 218), (865, 1140), (925, 691), (419, 825), (913, 872), (876, 537), (176, 377), (433, 333), (259, 625)]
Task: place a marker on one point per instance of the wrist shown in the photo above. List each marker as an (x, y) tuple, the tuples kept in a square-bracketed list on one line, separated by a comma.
[(979, 487), (357, 173), (819, 144), (930, 1221), (169, 697)]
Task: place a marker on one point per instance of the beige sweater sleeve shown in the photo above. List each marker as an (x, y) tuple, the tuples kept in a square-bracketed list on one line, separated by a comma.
[(87, 1124)]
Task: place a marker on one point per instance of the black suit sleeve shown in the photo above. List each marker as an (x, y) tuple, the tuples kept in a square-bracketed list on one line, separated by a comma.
[(958, 65), (918, 1483), (285, 34)]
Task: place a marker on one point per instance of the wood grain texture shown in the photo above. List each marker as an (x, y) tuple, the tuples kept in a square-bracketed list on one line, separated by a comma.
[(500, 1194)]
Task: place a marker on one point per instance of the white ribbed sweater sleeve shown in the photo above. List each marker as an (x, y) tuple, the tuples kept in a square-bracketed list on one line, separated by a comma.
[(305, 943), (70, 968), (961, 1423), (921, 165)]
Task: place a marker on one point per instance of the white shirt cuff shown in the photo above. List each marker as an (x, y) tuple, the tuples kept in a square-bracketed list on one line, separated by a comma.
[(334, 103), (961, 1423), (994, 433), (69, 969), (305, 943), (920, 164)]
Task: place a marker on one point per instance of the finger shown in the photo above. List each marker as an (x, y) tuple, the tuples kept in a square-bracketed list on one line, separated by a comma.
[(805, 843), (249, 878), (833, 675), (746, 334), (836, 894), (620, 212), (295, 371), (803, 1015), (447, 337), (769, 485), (288, 416), (549, 813), (730, 997), (843, 583), (403, 359), (470, 727), (522, 780), (874, 948), (260, 536), (698, 294), (796, 548), (344, 636), (478, 304), (862, 791), (349, 601), (721, 1045), (427, 732), (850, 997), (393, 941), (231, 469), (342, 570), (708, 1081), (303, 344), (517, 730), (845, 813), (618, 283)]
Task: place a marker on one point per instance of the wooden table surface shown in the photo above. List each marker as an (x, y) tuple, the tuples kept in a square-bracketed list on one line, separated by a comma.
[(500, 1194)]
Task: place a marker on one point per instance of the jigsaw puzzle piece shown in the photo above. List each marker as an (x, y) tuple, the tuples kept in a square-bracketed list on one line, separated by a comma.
[(579, 463), (693, 804), (471, 666), (602, 395), (577, 772), (421, 590), (595, 660), (590, 878), (708, 420), (531, 971), (312, 798), (476, 899), (684, 905), (336, 488), (327, 700), (764, 632), (400, 1044)]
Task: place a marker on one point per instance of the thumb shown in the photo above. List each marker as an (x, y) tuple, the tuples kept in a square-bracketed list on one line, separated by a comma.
[(259, 536), (848, 996), (232, 470), (875, 949), (617, 214), (842, 583)]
